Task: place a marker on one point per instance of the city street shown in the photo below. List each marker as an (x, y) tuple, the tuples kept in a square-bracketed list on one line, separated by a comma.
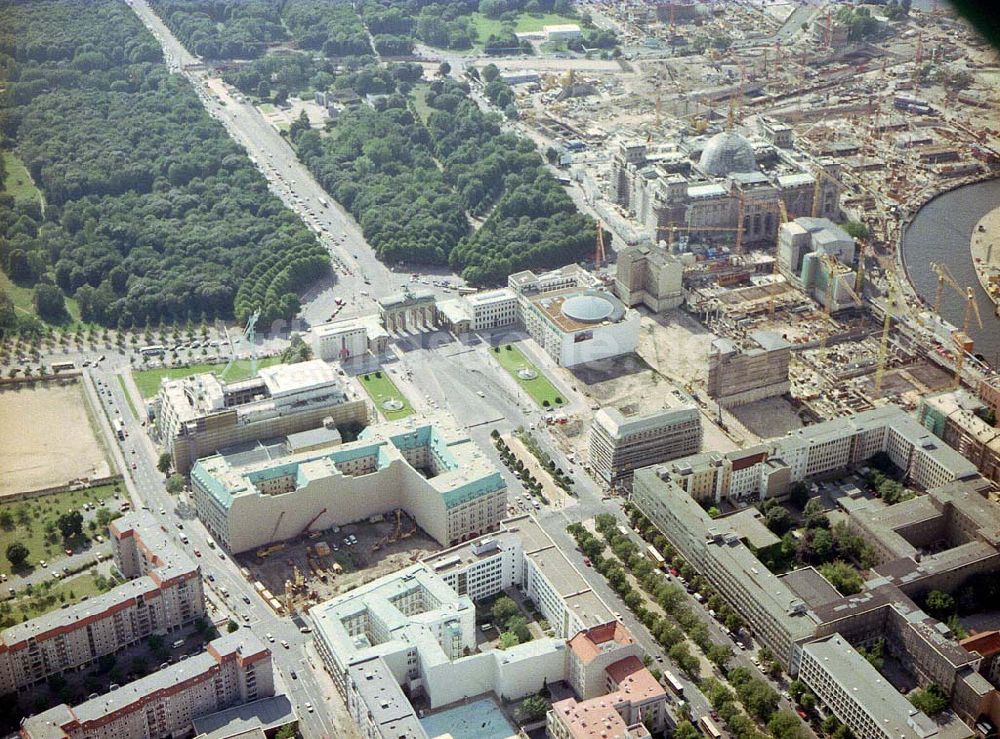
[(146, 488)]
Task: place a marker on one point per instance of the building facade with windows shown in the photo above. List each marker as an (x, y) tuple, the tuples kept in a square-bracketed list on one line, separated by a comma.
[(858, 695), (632, 436), (748, 371), (425, 466), (164, 595), (199, 415), (233, 670)]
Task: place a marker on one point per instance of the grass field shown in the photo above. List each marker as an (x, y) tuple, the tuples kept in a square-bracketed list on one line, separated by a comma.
[(380, 389), (128, 398), (148, 381), (267, 108), (52, 594), (526, 23), (18, 182), (420, 101), (29, 521), (540, 389), (23, 298)]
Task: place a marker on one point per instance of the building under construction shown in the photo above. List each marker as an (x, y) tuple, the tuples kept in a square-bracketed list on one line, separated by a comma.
[(751, 370)]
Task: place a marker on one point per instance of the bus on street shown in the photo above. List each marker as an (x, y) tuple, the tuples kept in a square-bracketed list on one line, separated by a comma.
[(673, 683), (708, 728)]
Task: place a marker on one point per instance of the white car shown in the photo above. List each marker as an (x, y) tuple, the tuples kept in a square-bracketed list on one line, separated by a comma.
[(270, 637), (309, 707)]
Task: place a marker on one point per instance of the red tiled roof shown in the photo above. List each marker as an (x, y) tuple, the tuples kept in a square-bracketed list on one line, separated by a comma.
[(987, 643), (634, 681), (585, 644)]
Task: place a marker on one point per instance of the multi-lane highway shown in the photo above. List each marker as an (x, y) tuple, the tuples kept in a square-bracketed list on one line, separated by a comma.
[(360, 278)]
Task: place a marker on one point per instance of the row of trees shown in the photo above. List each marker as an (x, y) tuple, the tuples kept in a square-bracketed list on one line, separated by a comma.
[(152, 212), (223, 29)]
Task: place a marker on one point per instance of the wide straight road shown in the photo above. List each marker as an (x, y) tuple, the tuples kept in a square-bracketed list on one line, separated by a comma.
[(136, 456), (360, 278)]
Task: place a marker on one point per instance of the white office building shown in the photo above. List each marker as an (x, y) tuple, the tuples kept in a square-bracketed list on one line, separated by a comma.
[(425, 466), (340, 341), (867, 703), (640, 434)]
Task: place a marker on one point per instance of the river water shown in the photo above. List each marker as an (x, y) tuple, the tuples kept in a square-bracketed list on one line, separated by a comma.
[(941, 232)]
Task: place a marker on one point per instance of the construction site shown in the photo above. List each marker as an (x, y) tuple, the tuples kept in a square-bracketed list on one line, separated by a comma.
[(726, 129), (293, 575)]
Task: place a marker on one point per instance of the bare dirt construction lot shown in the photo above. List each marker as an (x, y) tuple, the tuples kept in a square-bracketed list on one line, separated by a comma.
[(46, 438), (376, 554)]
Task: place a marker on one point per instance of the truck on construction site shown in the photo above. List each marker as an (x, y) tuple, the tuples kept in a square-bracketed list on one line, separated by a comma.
[(270, 549)]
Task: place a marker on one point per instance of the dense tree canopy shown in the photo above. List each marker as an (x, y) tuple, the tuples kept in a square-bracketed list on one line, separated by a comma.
[(223, 29), (152, 213), (330, 26)]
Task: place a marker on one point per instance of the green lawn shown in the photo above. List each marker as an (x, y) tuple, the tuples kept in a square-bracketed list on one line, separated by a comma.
[(267, 108), (420, 101), (380, 389), (128, 397), (18, 182), (53, 593), (31, 517), (148, 381), (539, 388), (526, 23), (23, 298)]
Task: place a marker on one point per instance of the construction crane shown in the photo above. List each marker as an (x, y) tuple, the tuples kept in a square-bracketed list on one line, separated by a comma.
[(673, 228), (961, 340), (894, 303), (833, 280), (249, 336), (944, 275)]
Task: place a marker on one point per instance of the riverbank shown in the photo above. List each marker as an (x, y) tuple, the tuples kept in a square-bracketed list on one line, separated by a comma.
[(985, 248)]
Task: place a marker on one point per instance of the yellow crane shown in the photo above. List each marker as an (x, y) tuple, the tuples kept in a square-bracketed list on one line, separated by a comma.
[(895, 303), (832, 283), (944, 276), (859, 278), (962, 340)]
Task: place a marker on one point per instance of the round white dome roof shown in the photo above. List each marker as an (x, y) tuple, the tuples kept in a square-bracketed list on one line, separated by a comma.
[(588, 308), (725, 153)]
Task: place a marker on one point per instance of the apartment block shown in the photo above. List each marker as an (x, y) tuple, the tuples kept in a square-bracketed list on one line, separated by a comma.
[(858, 695), (959, 419), (425, 466), (805, 247), (767, 469), (164, 595), (935, 541), (636, 435), (744, 372), (233, 670), (199, 415)]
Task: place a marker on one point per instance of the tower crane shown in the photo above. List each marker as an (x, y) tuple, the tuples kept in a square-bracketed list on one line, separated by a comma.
[(894, 303), (249, 336), (971, 309), (944, 276), (833, 279)]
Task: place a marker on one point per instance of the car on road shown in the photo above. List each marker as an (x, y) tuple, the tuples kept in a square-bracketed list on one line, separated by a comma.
[(163, 512), (293, 675), (197, 552), (270, 637), (283, 643), (586, 561), (246, 617), (309, 707), (179, 525), (211, 577), (246, 599)]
